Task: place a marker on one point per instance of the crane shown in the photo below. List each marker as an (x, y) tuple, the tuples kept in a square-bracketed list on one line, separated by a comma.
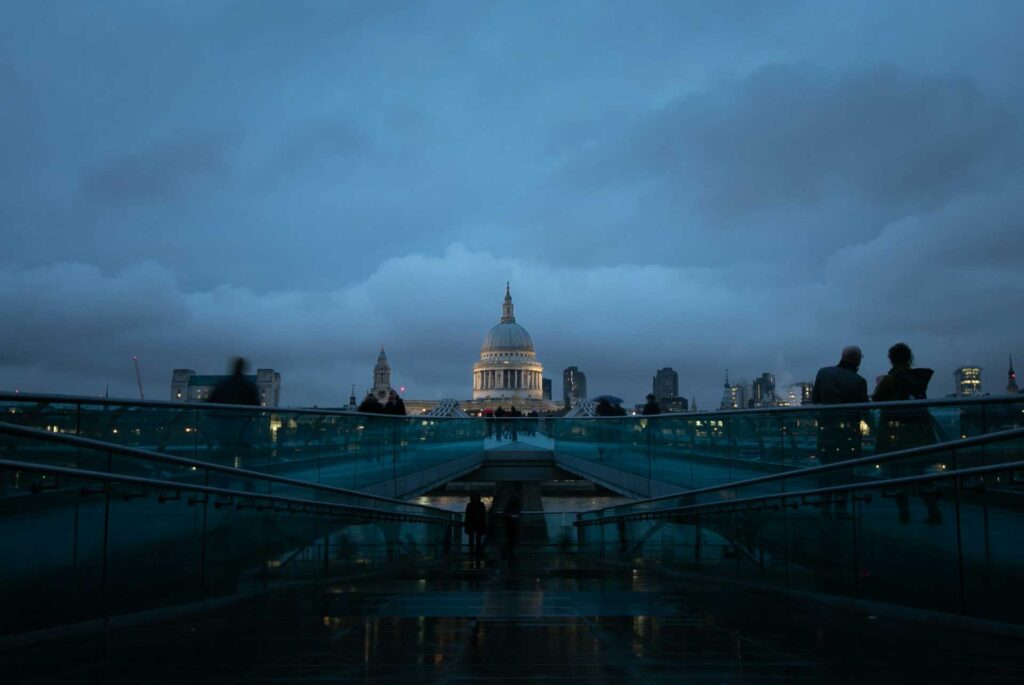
[(138, 376)]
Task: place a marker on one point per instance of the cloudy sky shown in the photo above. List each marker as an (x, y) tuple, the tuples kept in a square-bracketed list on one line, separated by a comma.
[(742, 185)]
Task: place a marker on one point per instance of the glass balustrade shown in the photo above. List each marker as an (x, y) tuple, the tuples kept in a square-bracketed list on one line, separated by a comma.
[(699, 450), (87, 533), (341, 449), (935, 530)]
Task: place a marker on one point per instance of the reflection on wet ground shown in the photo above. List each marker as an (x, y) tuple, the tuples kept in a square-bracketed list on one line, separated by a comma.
[(548, 619)]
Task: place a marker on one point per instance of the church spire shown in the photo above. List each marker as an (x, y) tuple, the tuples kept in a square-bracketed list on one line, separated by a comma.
[(507, 312), (382, 372), (1011, 385)]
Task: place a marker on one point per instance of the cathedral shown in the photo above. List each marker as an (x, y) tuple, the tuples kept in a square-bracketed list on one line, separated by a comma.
[(508, 369), (508, 373)]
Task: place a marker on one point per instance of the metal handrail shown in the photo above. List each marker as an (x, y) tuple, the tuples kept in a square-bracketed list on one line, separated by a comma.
[(846, 487), (83, 474), (924, 450), (92, 443), (840, 408), (111, 401)]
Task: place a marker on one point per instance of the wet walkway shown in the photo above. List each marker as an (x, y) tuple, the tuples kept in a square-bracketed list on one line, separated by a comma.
[(541, 621)]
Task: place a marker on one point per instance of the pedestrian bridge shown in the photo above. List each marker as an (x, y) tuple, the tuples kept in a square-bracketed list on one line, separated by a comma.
[(128, 524)]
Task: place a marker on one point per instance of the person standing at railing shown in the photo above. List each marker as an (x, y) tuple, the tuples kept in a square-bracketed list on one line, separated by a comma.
[(475, 521), (839, 436), (236, 388), (652, 407), (371, 405), (395, 405), (900, 429)]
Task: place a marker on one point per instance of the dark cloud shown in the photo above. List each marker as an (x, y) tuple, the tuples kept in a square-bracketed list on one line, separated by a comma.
[(166, 171), (747, 186)]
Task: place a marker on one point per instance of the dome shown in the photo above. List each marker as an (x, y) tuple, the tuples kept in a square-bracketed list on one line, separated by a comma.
[(507, 335)]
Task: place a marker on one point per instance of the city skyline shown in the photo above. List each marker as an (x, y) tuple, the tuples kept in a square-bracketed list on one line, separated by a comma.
[(749, 186)]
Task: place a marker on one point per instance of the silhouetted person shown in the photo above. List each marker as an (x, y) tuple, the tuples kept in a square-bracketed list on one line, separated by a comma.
[(841, 384), (652, 407), (371, 405), (476, 525), (513, 425), (488, 416), (236, 389), (499, 423), (395, 405), (604, 408), (839, 436), (900, 429), (510, 517)]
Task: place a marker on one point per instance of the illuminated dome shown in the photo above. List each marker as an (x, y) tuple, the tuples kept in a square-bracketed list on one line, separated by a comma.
[(507, 336), (508, 366)]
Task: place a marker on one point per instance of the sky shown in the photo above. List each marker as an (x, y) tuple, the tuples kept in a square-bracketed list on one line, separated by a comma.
[(707, 186)]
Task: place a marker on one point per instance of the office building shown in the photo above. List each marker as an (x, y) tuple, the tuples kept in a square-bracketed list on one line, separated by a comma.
[(665, 384), (574, 386), (967, 381), (188, 386), (763, 390)]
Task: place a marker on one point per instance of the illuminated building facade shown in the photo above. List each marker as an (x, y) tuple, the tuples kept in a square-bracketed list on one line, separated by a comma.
[(188, 386), (967, 381), (574, 386)]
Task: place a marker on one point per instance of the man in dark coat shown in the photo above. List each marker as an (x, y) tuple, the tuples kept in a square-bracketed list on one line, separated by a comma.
[(371, 405), (841, 384), (236, 389), (395, 405), (839, 436), (476, 525)]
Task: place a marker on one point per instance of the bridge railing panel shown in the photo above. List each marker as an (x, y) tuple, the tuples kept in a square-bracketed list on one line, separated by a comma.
[(339, 448)]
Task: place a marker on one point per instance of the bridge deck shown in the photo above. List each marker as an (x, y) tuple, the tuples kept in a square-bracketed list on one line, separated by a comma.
[(544, 620)]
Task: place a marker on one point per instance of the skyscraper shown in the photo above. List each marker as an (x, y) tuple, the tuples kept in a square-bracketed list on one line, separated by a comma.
[(574, 386), (967, 381), (734, 395), (545, 389), (1011, 381), (763, 390), (666, 384)]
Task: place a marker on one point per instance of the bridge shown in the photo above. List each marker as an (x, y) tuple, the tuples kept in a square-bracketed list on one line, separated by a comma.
[(155, 540)]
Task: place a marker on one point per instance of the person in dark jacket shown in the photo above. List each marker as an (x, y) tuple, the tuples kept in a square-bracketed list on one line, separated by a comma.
[(371, 405), (476, 525), (395, 405), (839, 436), (900, 429), (236, 389), (652, 407), (603, 408), (841, 384)]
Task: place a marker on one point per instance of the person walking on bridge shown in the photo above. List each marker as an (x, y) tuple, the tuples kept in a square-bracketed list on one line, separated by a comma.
[(475, 522)]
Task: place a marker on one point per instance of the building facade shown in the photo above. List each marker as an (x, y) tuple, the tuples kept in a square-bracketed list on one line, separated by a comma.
[(508, 368), (188, 386), (763, 390), (381, 378), (546, 389), (967, 381), (574, 386), (665, 385), (734, 395)]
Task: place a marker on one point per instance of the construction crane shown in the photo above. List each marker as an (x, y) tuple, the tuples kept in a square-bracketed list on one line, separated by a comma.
[(138, 377)]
